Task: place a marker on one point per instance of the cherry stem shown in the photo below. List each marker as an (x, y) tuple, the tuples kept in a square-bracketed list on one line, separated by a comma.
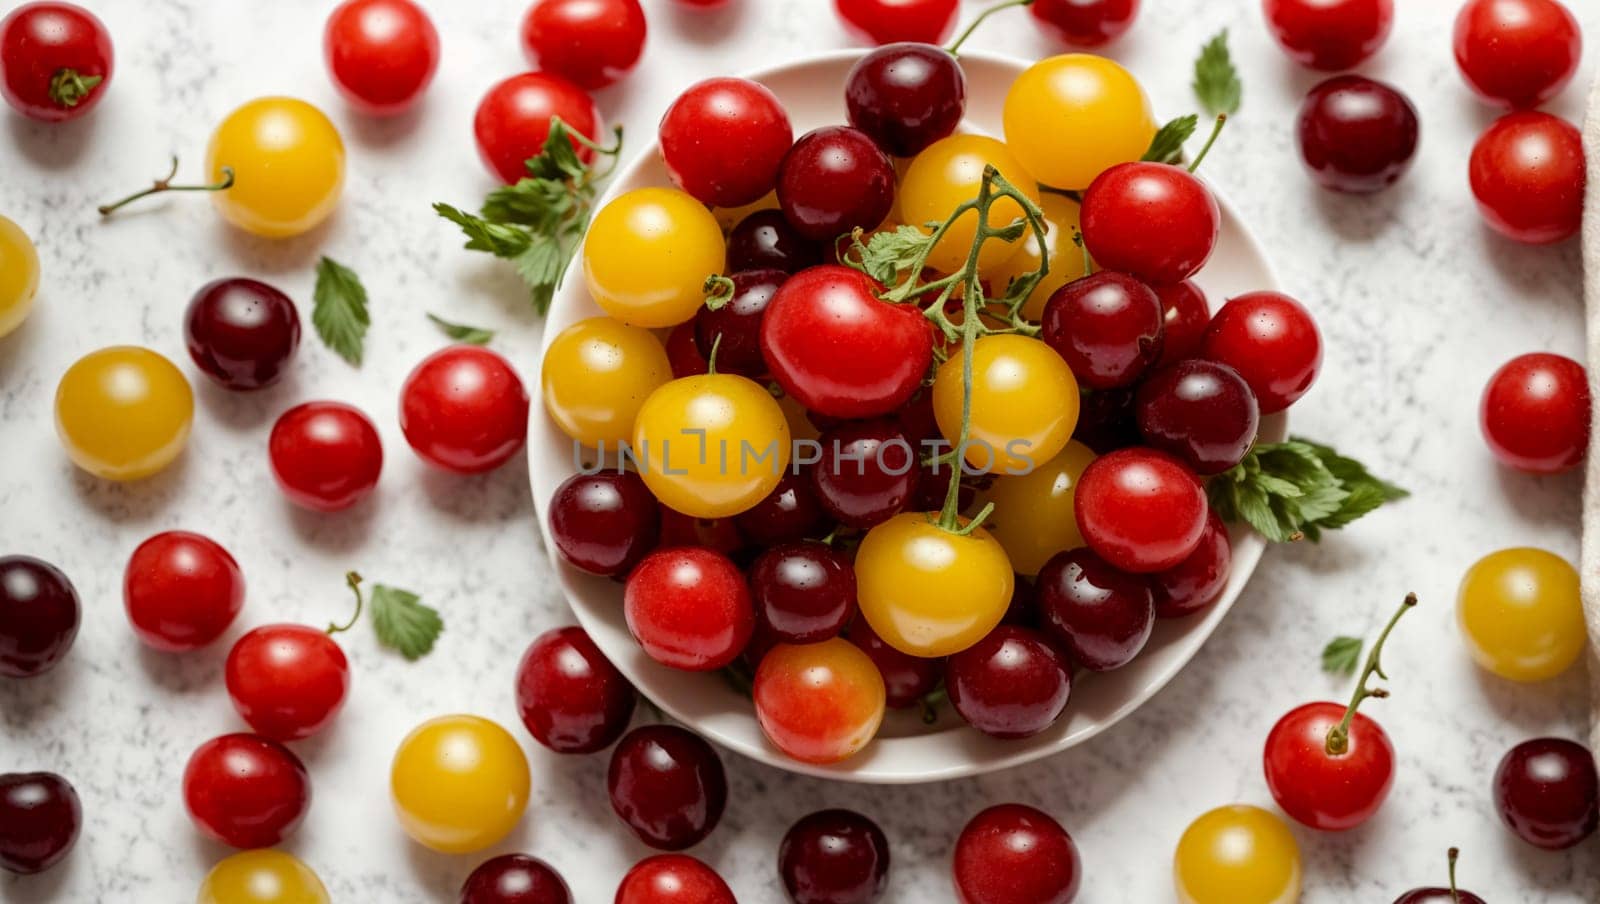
[(1083, 246), (1338, 743), (930, 704), (955, 49), (165, 184), (711, 359), (353, 581), (1455, 854), (68, 87), (1222, 120), (718, 290)]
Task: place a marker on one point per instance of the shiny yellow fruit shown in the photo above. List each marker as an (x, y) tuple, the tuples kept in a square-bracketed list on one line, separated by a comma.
[(948, 174), (1066, 258), (711, 445), (1034, 513), (123, 412), (262, 877), (19, 275), (1069, 118), (1237, 855), (288, 166), (460, 783), (647, 256), (929, 592), (1521, 614), (596, 376), (1024, 403)]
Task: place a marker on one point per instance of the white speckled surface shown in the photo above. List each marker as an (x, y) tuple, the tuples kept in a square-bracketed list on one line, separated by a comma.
[(1417, 301)]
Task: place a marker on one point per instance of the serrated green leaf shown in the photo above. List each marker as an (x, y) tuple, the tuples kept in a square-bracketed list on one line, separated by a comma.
[(339, 309), (1167, 145), (472, 335), (886, 255), (498, 239), (1342, 655), (1216, 81), (403, 623), (1298, 489)]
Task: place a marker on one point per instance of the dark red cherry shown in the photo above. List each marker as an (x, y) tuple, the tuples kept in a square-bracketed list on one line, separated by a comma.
[(667, 785), (570, 696), (906, 96), (833, 180), (1195, 583), (241, 332), (1106, 420), (1013, 854), (906, 678), (1547, 792), (604, 523), (803, 592), (764, 240), (40, 817), (1357, 135), (1102, 616), (1011, 684), (1437, 895), (1107, 327), (834, 857), (719, 534), (1085, 23), (1201, 411), (515, 879), (683, 355), (1184, 315), (39, 616), (867, 473), (734, 329), (790, 512)]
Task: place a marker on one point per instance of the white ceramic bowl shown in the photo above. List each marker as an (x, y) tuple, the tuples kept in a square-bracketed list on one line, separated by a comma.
[(906, 750)]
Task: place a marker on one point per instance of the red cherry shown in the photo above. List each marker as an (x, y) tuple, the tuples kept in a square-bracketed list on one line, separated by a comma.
[(1535, 413), (513, 121), (1085, 23), (1106, 420), (571, 697), (1195, 583), (1185, 313), (287, 681), (1357, 135), (717, 534), (867, 473), (734, 329), (1547, 793), (834, 857), (1329, 34), (1321, 789), (591, 42), (789, 513), (803, 592), (888, 21), (1106, 326), (1013, 854), (39, 616), (1140, 510), (1528, 176), (674, 878), (833, 180), (604, 523), (246, 791), (241, 332), (906, 678), (1154, 221), (906, 96), (683, 354), (464, 409), (515, 879), (326, 456), (49, 54), (764, 240), (1102, 616), (1201, 411), (40, 818), (1010, 684), (1272, 341), (667, 785), (724, 139), (181, 590), (1517, 53), (381, 53), (689, 608), (1438, 895)]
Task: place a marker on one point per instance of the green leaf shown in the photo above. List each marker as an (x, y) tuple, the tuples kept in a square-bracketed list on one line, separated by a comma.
[(888, 254), (1298, 489), (1167, 146), (474, 335), (403, 623), (482, 235), (1216, 81), (339, 309), (1342, 655)]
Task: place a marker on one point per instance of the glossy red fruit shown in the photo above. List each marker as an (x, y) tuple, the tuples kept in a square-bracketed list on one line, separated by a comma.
[(1195, 583), (464, 409), (1357, 135), (720, 535), (287, 681), (1528, 176), (867, 472), (1153, 221), (1272, 341), (181, 590), (789, 513), (834, 857), (1106, 326), (55, 60), (590, 42), (1547, 794), (673, 878), (1101, 616), (803, 592), (241, 332), (381, 53), (724, 139), (1085, 23), (833, 180), (906, 96), (1140, 510), (1185, 313), (1201, 411), (1535, 413), (1014, 854), (570, 696), (1106, 420), (888, 21), (604, 523), (1437, 895), (515, 879), (1011, 684), (734, 329), (764, 240), (683, 354), (513, 121), (246, 791), (1321, 789), (1517, 53), (906, 678), (820, 702), (1329, 34), (39, 615), (689, 608), (841, 352), (40, 818), (667, 785), (326, 456)]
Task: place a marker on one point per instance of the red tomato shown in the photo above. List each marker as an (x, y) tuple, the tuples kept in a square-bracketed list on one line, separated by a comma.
[(287, 681), (513, 120), (245, 790), (1154, 221), (55, 60), (673, 878), (464, 409), (181, 591), (326, 456), (1141, 510), (1329, 34), (1272, 341), (381, 53), (689, 608), (1528, 175), (1085, 23), (1517, 53), (724, 139), (889, 21), (1535, 413), (591, 42), (1326, 791)]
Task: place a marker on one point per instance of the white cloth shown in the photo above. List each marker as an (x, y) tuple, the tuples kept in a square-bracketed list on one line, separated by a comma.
[(1589, 561)]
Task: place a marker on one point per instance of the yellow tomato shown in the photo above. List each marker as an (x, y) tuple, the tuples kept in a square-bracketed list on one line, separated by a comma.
[(123, 412), (288, 166), (1237, 855), (460, 783), (262, 877), (1070, 117), (929, 592), (1024, 403), (19, 275), (647, 256), (1521, 614), (1033, 512), (729, 217), (711, 445), (948, 174), (596, 376), (1066, 258)]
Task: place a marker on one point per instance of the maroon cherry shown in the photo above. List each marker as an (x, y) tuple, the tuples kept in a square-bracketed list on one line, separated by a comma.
[(515, 879), (764, 240), (39, 615), (1010, 684), (719, 534), (867, 473), (1201, 411), (906, 678), (667, 785), (571, 697), (40, 817), (789, 513), (1085, 23), (803, 592), (834, 180), (1357, 135), (1014, 854), (241, 332), (1184, 315), (1547, 792), (604, 523), (834, 857), (1107, 327), (1196, 582), (734, 328), (906, 96), (1102, 616), (683, 356), (1106, 420), (1155, 221), (1436, 895)]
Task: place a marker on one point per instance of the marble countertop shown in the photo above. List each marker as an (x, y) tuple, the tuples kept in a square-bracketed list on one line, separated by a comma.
[(1418, 303)]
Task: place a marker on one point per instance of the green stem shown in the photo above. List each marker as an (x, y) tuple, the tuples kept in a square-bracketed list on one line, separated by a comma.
[(1222, 120), (930, 704), (1083, 248), (1455, 853), (711, 359), (955, 49), (1338, 743), (68, 87), (718, 290), (353, 581), (165, 184)]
